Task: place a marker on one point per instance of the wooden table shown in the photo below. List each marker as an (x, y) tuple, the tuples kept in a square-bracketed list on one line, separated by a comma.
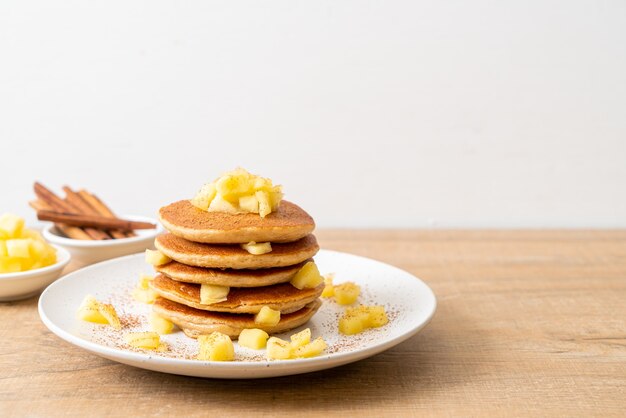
[(529, 323)]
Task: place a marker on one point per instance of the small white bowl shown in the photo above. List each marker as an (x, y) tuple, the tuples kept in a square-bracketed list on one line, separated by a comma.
[(24, 284), (88, 252)]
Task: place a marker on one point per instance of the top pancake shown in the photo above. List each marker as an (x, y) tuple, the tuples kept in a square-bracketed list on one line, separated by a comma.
[(288, 223)]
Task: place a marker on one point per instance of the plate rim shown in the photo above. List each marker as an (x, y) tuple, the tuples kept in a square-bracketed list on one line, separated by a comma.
[(333, 359)]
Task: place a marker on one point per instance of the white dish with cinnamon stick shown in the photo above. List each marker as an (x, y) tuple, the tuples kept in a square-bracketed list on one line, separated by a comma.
[(86, 252)]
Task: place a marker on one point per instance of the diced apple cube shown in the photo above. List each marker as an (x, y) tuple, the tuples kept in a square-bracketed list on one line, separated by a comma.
[(253, 338), (10, 265), (144, 281), (156, 258), (219, 204), (352, 323), (347, 293), (3, 248), (210, 294), (18, 248), (234, 184), (11, 225), (203, 198), (29, 233), (278, 349), (37, 249), (144, 295), (276, 196), (265, 206), (147, 340), (216, 347), (259, 248), (312, 349), (362, 317), (249, 204), (329, 289), (267, 316), (307, 277), (108, 312), (301, 338), (89, 311), (159, 324), (377, 316)]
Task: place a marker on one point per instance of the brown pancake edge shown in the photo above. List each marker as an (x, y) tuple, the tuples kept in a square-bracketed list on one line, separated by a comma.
[(282, 297), (232, 255), (229, 277), (195, 322)]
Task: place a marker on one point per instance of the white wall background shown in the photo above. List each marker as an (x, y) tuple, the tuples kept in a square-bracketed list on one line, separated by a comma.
[(370, 113)]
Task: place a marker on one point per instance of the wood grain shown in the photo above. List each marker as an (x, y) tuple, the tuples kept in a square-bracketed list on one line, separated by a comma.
[(529, 323)]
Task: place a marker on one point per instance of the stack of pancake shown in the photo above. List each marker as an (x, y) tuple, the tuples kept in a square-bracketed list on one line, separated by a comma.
[(205, 249)]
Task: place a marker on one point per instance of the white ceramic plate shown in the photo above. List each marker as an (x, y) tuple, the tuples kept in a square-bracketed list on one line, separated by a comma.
[(409, 302)]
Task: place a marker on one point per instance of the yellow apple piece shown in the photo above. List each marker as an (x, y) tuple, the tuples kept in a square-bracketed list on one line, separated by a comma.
[(143, 293), (234, 185), (11, 226), (278, 349), (144, 281), (259, 248), (249, 204), (203, 198), (265, 206), (219, 204), (210, 294), (377, 317), (360, 318), (148, 296), (147, 340), (18, 248), (159, 324), (253, 338), (29, 233), (267, 316), (312, 349), (346, 293), (156, 258), (89, 311), (307, 277), (216, 347), (329, 289), (301, 338), (108, 312), (352, 323), (276, 196)]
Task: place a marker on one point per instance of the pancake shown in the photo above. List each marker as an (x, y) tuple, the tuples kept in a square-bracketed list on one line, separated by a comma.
[(232, 255), (281, 297), (234, 278), (195, 322), (288, 223)]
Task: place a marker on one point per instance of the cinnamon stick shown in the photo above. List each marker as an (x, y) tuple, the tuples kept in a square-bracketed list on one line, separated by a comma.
[(59, 205), (99, 206), (85, 208), (67, 230), (92, 221)]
